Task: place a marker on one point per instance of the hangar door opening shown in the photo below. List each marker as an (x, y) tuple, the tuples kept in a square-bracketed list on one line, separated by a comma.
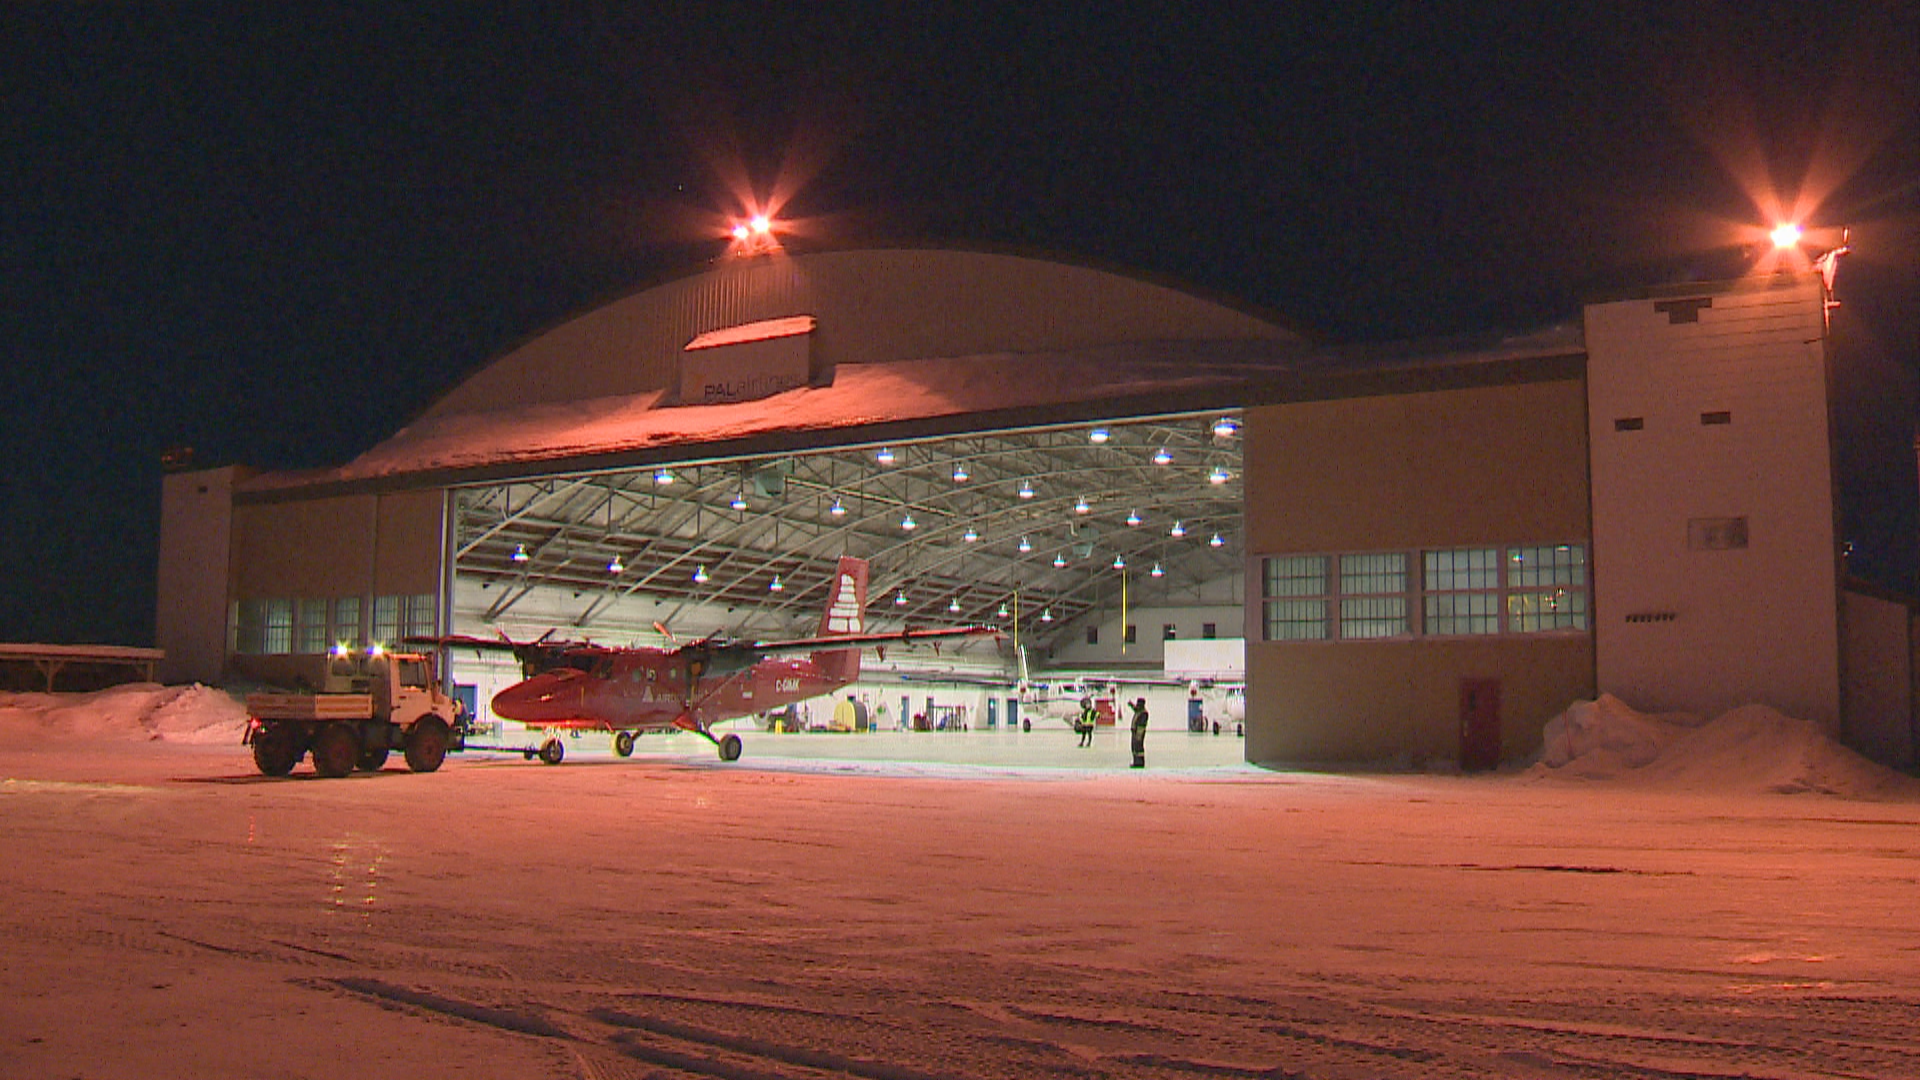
[(1108, 555)]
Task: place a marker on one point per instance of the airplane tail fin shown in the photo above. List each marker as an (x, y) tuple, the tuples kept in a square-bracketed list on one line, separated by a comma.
[(846, 613)]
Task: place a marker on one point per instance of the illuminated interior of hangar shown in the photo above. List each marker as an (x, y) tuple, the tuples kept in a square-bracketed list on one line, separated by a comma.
[(1035, 531)]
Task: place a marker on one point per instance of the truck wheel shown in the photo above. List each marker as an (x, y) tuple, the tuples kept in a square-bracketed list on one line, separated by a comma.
[(427, 745), (373, 758), (730, 748), (275, 750), (623, 743), (553, 751), (336, 749)]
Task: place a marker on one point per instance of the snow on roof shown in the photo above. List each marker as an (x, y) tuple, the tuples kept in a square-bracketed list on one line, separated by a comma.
[(1752, 749)]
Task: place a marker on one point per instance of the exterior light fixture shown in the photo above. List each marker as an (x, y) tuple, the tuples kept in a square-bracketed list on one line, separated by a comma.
[(1099, 435), (741, 232), (1119, 562), (1026, 490), (1156, 571), (615, 566), (1025, 545), (519, 553), (1059, 561), (971, 535), (907, 524), (1163, 456), (900, 598), (959, 473), (838, 509), (1785, 235), (1226, 428), (1219, 475), (775, 585), (954, 605), (700, 574), (1047, 615), (1177, 531), (1081, 507), (1216, 541), (1133, 517), (663, 477), (884, 455)]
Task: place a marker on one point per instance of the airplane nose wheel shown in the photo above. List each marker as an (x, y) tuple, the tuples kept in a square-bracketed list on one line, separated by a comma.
[(553, 751), (730, 748), (623, 743)]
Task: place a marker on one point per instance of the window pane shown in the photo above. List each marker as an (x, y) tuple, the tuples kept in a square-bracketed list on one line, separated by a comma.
[(1373, 574), (1296, 620), (386, 619), (1296, 575), (1560, 609), (277, 633), (346, 621), (311, 624), (249, 623), (1463, 613), (1373, 616), (1466, 568), (1532, 567), (420, 615)]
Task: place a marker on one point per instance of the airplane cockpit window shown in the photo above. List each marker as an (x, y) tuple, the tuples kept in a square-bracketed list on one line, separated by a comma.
[(603, 668)]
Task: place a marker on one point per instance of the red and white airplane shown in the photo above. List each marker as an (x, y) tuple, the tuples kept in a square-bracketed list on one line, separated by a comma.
[(694, 686)]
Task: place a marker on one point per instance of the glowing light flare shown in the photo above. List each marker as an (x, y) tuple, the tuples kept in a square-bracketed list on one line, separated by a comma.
[(1785, 235)]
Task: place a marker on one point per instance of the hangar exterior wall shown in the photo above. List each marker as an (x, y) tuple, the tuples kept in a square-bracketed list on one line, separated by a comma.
[(361, 547), (1480, 467), (1715, 536), (190, 611)]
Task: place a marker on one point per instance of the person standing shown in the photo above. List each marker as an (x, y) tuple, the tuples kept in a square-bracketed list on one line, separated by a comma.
[(1140, 733), (1085, 724)]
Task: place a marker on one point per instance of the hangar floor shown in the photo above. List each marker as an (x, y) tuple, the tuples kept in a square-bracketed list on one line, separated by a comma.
[(899, 751)]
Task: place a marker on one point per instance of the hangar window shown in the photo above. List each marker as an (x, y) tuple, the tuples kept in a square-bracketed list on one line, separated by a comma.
[(397, 617), (310, 625), (386, 619), (346, 621), (1546, 588), (263, 627), (1373, 595), (1293, 593), (1462, 594)]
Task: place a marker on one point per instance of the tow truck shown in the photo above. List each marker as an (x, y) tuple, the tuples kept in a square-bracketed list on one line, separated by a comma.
[(370, 703)]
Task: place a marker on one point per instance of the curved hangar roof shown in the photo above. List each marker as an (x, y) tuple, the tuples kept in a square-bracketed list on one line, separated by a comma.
[(842, 340)]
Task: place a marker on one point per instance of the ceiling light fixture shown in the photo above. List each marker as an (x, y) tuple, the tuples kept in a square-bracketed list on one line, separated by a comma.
[(700, 574), (1026, 490), (954, 605), (775, 585), (1081, 507), (1216, 541), (907, 524), (663, 477), (1156, 571), (900, 598), (838, 509), (1177, 531), (1119, 562), (519, 553), (1225, 427), (1099, 435), (615, 566), (1025, 545), (971, 535), (1047, 615), (1219, 475), (739, 501), (1133, 517), (1059, 561), (959, 474), (884, 455), (1163, 456)]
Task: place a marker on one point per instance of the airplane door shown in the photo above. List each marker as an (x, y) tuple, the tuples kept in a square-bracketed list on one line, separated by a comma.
[(1013, 713), (993, 713)]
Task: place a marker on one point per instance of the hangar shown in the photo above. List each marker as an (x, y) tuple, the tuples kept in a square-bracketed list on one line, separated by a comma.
[(1412, 552)]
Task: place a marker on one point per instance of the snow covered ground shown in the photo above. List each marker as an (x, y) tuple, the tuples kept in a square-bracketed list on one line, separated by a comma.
[(1646, 902)]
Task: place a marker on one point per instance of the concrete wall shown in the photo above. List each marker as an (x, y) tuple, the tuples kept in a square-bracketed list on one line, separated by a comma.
[(190, 612), (1714, 542), (1473, 467), (1879, 677)]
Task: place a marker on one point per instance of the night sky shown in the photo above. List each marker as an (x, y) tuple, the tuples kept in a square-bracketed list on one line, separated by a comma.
[(276, 232)]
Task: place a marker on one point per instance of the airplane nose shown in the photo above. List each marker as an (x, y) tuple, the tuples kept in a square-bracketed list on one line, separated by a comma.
[(539, 699)]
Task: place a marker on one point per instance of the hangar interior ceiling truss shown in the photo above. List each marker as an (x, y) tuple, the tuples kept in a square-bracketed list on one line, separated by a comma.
[(983, 528)]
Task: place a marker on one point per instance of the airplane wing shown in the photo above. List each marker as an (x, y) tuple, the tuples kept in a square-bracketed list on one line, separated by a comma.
[(731, 655)]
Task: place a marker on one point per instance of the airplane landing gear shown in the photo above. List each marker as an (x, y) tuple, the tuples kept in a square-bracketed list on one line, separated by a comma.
[(553, 751), (623, 743), (729, 748)]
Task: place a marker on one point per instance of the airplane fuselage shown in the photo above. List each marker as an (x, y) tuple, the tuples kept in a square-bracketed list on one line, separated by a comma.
[(647, 691)]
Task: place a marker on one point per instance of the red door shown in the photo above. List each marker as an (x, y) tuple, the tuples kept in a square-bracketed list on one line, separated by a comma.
[(1479, 724)]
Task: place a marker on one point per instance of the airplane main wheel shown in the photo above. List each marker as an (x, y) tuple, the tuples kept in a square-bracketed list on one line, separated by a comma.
[(730, 748), (427, 745), (275, 751), (553, 751), (373, 758), (335, 750), (623, 743)]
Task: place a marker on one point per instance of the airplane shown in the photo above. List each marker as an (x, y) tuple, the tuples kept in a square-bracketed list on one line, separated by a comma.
[(690, 687)]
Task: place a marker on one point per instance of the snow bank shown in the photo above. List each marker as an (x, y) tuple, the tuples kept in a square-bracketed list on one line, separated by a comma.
[(187, 714), (1751, 749)]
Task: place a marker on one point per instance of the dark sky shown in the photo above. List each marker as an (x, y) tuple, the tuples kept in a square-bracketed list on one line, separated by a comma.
[(274, 232)]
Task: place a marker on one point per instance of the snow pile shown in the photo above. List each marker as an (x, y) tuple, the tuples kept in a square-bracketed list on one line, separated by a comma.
[(187, 714), (1751, 749)]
